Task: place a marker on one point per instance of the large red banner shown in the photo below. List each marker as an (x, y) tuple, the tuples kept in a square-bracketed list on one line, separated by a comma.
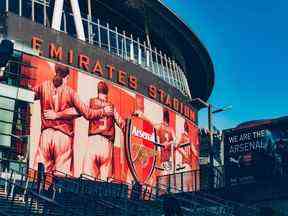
[(81, 123)]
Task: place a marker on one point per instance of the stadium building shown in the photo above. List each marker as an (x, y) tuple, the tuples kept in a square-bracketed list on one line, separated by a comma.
[(139, 56), (96, 111)]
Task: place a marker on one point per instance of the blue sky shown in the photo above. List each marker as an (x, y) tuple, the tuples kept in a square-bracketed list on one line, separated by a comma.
[(248, 44)]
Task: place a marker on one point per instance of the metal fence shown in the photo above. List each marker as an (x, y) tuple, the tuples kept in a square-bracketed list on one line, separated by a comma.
[(111, 39), (203, 179), (179, 182)]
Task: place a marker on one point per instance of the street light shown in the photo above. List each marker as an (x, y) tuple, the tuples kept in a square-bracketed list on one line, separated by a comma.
[(210, 125), (222, 109)]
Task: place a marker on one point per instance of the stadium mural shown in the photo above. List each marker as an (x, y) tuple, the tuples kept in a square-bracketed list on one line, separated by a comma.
[(81, 123), (255, 153)]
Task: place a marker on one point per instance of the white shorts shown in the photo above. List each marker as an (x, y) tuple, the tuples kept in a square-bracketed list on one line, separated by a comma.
[(98, 157)]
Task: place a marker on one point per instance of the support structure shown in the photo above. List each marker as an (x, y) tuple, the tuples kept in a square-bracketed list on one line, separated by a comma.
[(57, 17)]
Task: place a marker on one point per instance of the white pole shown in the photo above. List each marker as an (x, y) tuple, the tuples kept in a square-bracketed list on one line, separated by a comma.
[(166, 74), (139, 52), (45, 13), (131, 48), (57, 17), (33, 10), (162, 74), (90, 28), (7, 6), (108, 37), (157, 62), (125, 45), (64, 22), (20, 7), (57, 14), (151, 59), (99, 33), (78, 20), (117, 41)]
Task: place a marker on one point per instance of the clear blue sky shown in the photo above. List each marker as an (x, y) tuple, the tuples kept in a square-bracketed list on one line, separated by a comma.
[(248, 43)]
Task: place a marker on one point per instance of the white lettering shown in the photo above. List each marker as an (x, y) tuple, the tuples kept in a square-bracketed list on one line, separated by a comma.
[(142, 134), (247, 147)]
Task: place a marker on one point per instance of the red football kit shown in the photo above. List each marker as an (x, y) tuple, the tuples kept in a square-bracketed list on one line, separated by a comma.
[(189, 153), (55, 145), (165, 138), (98, 158), (190, 159)]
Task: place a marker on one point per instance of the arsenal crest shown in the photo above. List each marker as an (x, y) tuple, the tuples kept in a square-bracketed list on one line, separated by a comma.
[(140, 148)]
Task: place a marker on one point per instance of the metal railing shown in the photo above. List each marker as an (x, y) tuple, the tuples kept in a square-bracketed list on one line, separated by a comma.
[(59, 195), (195, 203), (20, 185), (115, 42), (183, 181)]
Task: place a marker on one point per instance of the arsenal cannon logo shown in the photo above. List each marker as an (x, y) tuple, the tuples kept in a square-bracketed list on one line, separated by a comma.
[(140, 148)]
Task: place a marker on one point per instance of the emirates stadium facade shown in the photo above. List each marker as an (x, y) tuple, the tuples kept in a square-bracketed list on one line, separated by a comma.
[(102, 89)]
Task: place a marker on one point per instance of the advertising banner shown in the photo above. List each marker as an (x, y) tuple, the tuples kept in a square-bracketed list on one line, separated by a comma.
[(255, 153), (81, 123)]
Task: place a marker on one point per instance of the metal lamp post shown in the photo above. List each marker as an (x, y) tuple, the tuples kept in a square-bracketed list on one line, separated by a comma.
[(210, 125), (211, 181)]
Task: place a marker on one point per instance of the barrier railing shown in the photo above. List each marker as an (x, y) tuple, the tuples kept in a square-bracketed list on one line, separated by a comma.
[(184, 181), (194, 202), (52, 189), (14, 187), (28, 183), (238, 207), (106, 37)]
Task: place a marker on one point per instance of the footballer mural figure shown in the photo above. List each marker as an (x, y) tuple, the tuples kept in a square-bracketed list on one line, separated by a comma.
[(166, 138), (190, 156), (98, 160), (58, 103), (187, 150)]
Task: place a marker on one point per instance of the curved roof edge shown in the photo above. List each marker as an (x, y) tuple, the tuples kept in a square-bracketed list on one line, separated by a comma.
[(201, 49)]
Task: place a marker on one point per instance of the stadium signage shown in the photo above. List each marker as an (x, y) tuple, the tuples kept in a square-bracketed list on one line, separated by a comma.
[(89, 64), (247, 142), (254, 153), (142, 134), (140, 148)]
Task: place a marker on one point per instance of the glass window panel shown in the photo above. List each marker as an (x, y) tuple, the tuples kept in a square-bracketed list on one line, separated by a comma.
[(113, 44), (143, 53), (86, 28), (128, 48), (8, 91), (95, 36), (25, 95), (121, 45), (5, 140), (71, 30), (13, 6), (2, 6), (6, 115), (104, 38), (14, 166), (26, 8), (7, 103), (39, 13), (136, 52), (5, 128)]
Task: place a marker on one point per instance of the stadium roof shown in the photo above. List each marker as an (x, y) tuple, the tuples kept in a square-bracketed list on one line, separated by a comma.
[(261, 122), (166, 31)]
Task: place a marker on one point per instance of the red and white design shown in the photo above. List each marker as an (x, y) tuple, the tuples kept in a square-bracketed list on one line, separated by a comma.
[(141, 148), (98, 160), (96, 144)]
